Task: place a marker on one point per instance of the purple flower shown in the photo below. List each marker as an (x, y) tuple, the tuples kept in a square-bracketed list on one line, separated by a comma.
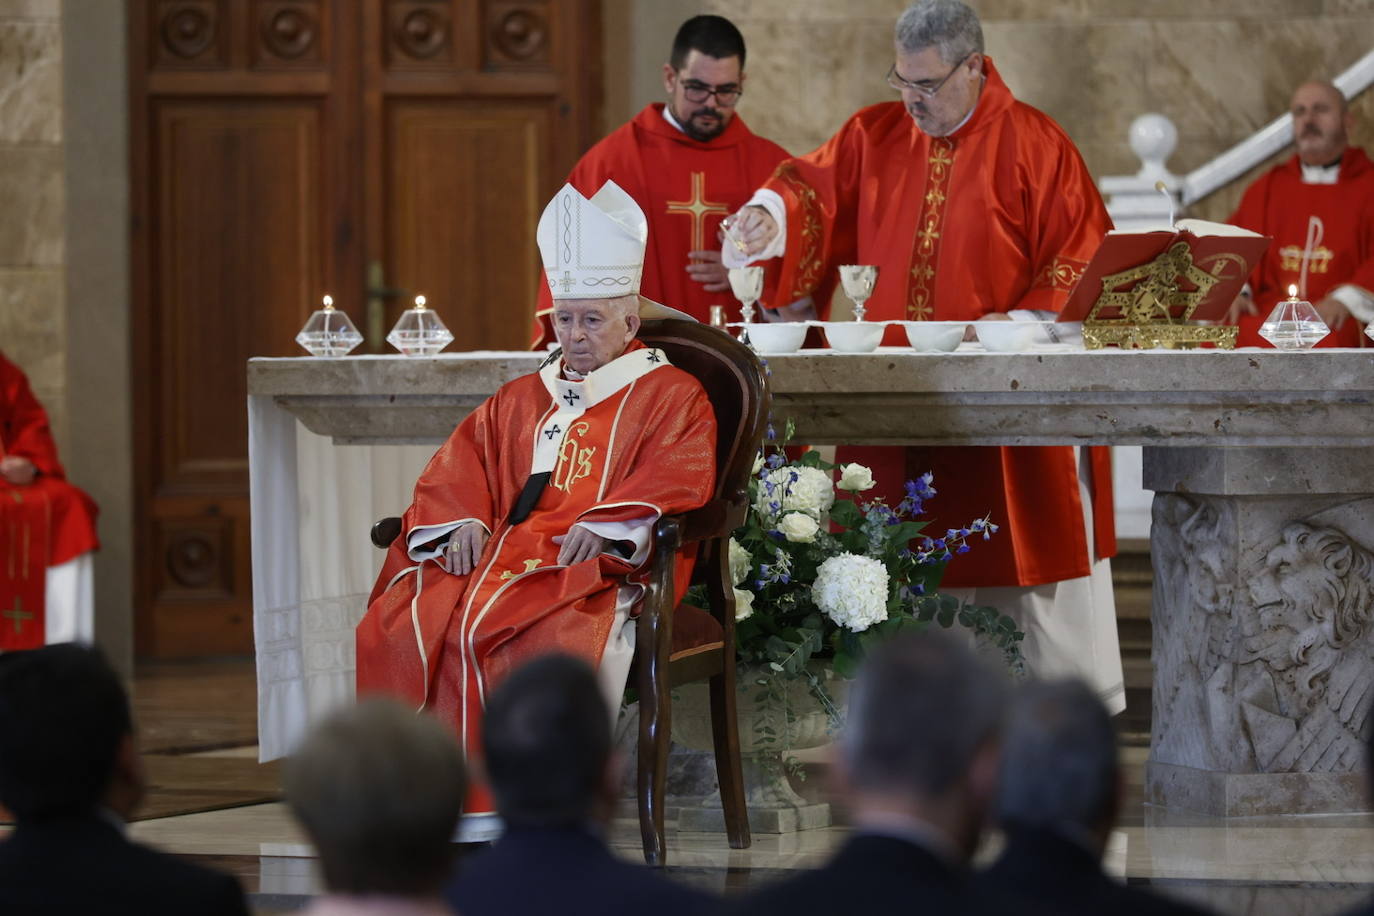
[(963, 548), (774, 461)]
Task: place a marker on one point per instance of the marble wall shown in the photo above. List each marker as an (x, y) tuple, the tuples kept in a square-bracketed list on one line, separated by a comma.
[(1220, 69), (32, 249)]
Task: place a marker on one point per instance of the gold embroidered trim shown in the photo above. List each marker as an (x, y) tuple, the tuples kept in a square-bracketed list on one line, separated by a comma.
[(920, 303), (1061, 273), (809, 264)]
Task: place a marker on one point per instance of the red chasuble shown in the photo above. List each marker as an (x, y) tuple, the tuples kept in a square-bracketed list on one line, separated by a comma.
[(634, 441), (45, 523), (1000, 215), (1340, 220), (685, 187)]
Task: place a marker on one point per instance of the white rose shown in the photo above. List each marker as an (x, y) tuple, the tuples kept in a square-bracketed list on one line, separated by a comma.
[(740, 562), (852, 591), (812, 492), (799, 527), (855, 477), (744, 604)]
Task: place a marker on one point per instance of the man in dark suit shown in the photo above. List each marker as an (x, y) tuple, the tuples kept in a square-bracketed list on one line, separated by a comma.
[(1057, 801), (1368, 908), (71, 776), (547, 749), (916, 766)]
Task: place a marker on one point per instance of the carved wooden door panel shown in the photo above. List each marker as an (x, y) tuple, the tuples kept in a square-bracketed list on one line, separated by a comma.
[(278, 147), (474, 112)]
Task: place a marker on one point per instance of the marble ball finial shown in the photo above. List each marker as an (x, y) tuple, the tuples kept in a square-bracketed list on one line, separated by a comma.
[(1153, 138)]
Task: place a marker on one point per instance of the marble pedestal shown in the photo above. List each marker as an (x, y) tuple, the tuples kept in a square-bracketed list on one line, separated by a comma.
[(1263, 629)]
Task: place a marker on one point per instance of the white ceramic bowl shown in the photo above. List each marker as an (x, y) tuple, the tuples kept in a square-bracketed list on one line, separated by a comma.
[(935, 336), (778, 336), (854, 336), (1008, 336)]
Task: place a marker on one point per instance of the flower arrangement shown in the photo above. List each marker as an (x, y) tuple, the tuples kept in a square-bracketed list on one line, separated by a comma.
[(824, 577)]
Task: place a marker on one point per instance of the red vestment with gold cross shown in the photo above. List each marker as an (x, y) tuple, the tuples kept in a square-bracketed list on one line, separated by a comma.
[(42, 524), (685, 187), (1338, 219), (641, 450), (1000, 215)]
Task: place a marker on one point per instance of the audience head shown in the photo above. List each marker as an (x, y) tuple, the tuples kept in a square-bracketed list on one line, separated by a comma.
[(1059, 765), (1321, 122), (379, 789), (547, 744), (708, 54), (939, 64), (66, 734), (921, 734)]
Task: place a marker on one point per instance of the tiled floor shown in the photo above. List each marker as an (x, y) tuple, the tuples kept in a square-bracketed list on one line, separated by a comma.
[(1311, 865)]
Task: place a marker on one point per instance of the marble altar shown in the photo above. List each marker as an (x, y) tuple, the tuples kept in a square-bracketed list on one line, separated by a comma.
[(1263, 529)]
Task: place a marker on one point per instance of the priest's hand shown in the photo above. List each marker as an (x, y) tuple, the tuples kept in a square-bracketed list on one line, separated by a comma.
[(754, 228), (579, 545), (705, 267), (1333, 312), (1243, 305), (465, 547), (17, 470)]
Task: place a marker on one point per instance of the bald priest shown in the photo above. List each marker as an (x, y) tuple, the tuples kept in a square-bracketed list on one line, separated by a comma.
[(531, 527)]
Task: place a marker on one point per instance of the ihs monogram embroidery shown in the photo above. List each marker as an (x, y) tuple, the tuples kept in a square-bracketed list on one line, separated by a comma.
[(574, 461)]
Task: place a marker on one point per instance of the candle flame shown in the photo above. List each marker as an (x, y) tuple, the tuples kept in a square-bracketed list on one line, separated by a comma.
[(1292, 291), (420, 301), (328, 302)]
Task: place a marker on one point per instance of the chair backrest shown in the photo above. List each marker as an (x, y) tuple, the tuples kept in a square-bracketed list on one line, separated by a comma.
[(735, 382)]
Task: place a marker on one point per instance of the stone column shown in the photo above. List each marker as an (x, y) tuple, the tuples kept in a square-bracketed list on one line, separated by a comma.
[(1263, 629)]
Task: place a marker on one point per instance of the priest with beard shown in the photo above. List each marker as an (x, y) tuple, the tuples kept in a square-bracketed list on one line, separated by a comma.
[(531, 527), (973, 206), (688, 162)]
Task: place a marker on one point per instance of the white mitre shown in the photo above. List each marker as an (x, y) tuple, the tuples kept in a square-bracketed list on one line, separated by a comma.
[(593, 249)]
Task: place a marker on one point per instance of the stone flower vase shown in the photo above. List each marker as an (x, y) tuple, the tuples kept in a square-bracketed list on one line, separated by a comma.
[(774, 721)]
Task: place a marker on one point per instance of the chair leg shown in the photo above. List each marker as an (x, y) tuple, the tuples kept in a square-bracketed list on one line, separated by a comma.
[(725, 731), (655, 727)]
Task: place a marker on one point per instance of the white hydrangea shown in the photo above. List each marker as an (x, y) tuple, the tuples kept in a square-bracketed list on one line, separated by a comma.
[(813, 492), (799, 527), (744, 604), (852, 591), (740, 562), (855, 478)]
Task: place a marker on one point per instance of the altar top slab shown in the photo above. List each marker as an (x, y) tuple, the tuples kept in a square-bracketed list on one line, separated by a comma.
[(970, 397)]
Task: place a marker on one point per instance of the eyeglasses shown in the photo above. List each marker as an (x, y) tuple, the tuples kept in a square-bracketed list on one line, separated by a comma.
[(895, 80), (726, 95)]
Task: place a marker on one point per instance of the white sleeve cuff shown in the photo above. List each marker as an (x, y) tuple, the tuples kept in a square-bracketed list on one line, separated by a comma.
[(772, 202), (421, 535), (1357, 301), (638, 531), (1053, 331)]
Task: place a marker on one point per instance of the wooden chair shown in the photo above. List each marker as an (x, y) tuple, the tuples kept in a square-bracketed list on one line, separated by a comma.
[(679, 645)]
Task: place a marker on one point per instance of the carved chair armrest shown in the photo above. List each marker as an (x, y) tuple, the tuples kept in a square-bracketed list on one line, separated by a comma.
[(385, 531)]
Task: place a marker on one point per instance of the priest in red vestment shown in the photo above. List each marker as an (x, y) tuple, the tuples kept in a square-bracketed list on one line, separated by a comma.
[(1318, 207), (688, 164), (530, 529), (47, 528), (973, 206)]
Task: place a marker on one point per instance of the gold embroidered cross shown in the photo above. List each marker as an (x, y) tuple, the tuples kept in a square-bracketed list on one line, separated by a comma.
[(697, 208), (17, 614)]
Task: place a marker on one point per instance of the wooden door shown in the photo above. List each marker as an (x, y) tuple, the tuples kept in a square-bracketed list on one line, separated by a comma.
[(279, 148)]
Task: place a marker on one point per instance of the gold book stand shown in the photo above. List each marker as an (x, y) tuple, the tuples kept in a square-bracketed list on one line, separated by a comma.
[(1145, 307)]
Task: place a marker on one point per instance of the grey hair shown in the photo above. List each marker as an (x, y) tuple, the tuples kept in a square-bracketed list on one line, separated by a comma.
[(949, 25), (919, 712), (379, 789), (1059, 765)]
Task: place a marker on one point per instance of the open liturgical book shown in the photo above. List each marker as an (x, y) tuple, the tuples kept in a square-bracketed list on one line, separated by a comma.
[(1145, 288)]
